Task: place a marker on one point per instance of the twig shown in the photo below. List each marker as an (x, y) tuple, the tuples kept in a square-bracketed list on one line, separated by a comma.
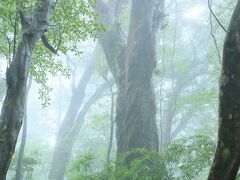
[(210, 8), (212, 34)]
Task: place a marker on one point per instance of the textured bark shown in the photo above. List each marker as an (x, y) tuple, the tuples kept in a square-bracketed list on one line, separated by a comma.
[(16, 78), (227, 157), (131, 65), (60, 160), (19, 173), (136, 109)]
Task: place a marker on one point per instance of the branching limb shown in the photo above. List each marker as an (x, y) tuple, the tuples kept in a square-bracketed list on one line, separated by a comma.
[(210, 8), (212, 33), (49, 46)]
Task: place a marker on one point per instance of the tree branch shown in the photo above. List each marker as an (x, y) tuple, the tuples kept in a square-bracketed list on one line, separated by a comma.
[(212, 33), (210, 8), (49, 46)]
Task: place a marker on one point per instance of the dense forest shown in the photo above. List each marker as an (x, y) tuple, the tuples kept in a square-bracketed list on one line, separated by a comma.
[(119, 89)]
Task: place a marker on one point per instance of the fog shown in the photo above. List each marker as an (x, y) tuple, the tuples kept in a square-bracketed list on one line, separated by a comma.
[(73, 109)]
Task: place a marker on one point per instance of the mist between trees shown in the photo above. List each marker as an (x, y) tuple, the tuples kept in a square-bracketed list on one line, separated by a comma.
[(119, 89)]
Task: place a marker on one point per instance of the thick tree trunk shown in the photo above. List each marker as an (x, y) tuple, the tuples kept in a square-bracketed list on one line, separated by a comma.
[(17, 74), (136, 109), (19, 173), (60, 160), (227, 157)]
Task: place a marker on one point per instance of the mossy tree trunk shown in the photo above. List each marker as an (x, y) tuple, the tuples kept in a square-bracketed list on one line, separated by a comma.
[(227, 157), (132, 65), (136, 109)]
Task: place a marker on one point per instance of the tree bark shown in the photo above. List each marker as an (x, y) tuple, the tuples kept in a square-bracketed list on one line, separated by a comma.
[(131, 65), (17, 74), (136, 109), (227, 157), (19, 173)]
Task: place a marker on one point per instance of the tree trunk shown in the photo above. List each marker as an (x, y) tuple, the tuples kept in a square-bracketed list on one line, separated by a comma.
[(69, 138), (112, 126), (59, 161), (227, 157), (19, 173), (17, 74), (136, 125), (136, 109)]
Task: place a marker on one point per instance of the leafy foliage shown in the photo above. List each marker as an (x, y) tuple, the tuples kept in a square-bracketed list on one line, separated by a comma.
[(189, 157), (80, 168), (30, 162), (71, 22), (186, 158)]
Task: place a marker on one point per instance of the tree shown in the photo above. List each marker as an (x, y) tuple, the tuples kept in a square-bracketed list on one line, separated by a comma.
[(136, 109), (227, 157), (60, 157), (28, 26), (17, 74), (132, 70), (65, 143), (19, 173)]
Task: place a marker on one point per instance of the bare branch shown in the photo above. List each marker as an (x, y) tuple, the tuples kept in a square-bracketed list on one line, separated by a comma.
[(210, 8), (212, 33)]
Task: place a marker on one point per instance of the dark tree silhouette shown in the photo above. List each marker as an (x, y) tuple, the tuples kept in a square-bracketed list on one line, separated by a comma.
[(227, 158)]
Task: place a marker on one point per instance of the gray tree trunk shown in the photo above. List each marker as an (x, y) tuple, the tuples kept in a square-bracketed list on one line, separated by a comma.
[(132, 70), (60, 159), (136, 109), (19, 173), (70, 137), (17, 74)]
